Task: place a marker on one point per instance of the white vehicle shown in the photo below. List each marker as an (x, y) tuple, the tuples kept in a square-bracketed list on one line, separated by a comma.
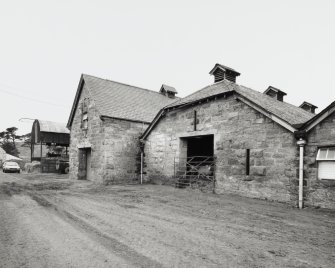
[(11, 167)]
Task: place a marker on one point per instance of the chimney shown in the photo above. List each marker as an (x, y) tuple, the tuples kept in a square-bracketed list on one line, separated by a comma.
[(222, 72), (308, 107), (168, 91), (275, 93)]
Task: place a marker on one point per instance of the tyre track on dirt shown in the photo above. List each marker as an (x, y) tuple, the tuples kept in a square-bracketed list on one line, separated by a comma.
[(108, 242)]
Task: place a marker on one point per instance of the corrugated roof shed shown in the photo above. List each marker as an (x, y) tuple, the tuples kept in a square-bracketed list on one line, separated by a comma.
[(54, 127), (50, 132)]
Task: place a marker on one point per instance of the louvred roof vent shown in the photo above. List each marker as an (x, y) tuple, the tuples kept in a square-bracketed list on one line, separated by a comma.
[(275, 93), (222, 72), (308, 107)]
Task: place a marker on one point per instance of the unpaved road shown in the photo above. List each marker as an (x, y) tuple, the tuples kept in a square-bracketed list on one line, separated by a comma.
[(50, 221)]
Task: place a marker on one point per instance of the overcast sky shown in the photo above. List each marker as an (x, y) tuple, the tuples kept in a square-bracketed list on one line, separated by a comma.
[(46, 45)]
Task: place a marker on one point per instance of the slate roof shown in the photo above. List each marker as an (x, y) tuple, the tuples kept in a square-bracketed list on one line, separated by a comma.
[(329, 109), (118, 100), (287, 112)]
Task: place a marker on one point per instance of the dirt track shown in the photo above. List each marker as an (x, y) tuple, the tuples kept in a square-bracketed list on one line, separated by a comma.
[(49, 221)]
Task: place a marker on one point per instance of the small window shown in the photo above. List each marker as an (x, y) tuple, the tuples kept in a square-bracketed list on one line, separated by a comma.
[(326, 154), (247, 162), (326, 163), (85, 121)]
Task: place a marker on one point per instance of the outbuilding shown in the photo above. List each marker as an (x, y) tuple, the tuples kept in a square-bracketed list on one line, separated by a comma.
[(225, 137), (251, 137), (106, 121)]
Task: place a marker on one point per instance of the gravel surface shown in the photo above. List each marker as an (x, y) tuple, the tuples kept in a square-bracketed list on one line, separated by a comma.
[(50, 221)]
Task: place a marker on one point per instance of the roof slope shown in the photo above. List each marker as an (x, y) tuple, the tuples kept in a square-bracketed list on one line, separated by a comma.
[(114, 99), (316, 119), (287, 112), (55, 127)]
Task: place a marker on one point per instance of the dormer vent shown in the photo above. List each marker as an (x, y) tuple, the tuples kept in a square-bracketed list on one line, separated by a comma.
[(308, 107), (222, 72), (168, 91), (275, 93)]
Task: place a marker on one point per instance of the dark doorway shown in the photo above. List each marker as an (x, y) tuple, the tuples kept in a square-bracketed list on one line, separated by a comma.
[(200, 153), (197, 168), (200, 146), (84, 167)]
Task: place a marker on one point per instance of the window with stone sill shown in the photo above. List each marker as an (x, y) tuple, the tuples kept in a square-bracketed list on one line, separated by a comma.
[(326, 163)]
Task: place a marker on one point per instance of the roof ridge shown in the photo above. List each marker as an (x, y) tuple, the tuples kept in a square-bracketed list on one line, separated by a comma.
[(201, 89), (113, 81), (57, 122)]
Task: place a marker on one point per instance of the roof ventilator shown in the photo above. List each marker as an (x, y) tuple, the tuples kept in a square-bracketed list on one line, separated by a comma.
[(222, 72), (275, 93)]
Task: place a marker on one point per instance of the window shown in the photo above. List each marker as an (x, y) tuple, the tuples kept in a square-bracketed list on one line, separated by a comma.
[(247, 162), (85, 121), (326, 163), (84, 111)]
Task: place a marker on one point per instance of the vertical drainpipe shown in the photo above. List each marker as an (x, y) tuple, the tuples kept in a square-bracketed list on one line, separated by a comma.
[(301, 143), (142, 143)]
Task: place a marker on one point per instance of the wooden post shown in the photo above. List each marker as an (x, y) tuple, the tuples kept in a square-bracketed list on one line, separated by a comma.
[(41, 151), (31, 150), (214, 171), (195, 121), (41, 158), (141, 167)]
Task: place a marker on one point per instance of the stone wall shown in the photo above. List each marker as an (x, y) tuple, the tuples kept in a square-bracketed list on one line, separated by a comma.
[(319, 192), (91, 138), (122, 149), (236, 127), (115, 152)]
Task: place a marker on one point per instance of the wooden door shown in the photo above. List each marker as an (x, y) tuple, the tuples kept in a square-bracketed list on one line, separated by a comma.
[(88, 164), (82, 167)]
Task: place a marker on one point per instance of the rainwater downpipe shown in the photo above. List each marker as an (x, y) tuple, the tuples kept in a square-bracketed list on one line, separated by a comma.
[(301, 143), (142, 144)]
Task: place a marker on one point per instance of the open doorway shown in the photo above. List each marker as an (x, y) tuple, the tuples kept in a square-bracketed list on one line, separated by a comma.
[(200, 146), (200, 152), (196, 162), (84, 167)]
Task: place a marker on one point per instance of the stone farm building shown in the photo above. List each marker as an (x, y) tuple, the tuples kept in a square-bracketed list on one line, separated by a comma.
[(262, 146), (106, 121)]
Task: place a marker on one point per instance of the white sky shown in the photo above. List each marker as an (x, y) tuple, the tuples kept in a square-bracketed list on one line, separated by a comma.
[(46, 45)]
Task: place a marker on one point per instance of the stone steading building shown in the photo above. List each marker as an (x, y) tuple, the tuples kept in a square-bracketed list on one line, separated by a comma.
[(263, 147), (106, 121)]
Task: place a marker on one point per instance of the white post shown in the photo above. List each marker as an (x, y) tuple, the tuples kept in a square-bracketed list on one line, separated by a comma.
[(141, 167), (301, 143)]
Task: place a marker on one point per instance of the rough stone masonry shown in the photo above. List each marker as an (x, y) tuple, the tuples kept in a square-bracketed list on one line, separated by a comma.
[(236, 127)]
